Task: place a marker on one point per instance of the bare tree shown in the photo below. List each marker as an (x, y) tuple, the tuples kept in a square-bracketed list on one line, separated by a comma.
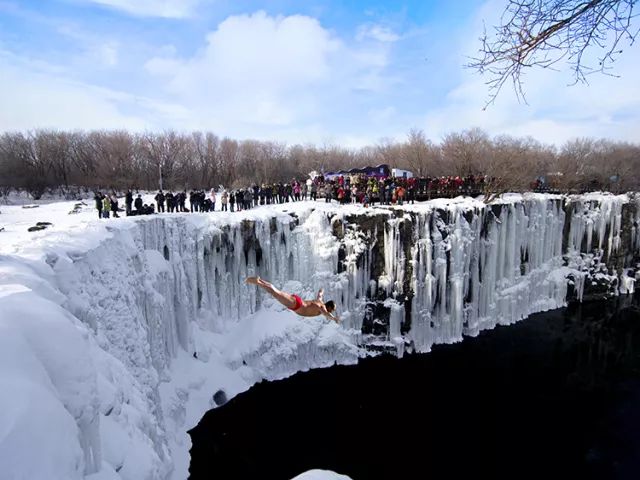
[(81, 158), (202, 161), (114, 160), (586, 164), (14, 155), (542, 33), (35, 153), (118, 160), (512, 164), (229, 156), (623, 162), (465, 153), (420, 155), (274, 164)]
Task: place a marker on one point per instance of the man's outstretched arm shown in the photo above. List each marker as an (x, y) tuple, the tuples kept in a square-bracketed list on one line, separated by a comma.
[(329, 315)]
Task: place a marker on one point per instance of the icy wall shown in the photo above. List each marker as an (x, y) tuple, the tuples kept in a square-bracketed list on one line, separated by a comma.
[(403, 279), (441, 273)]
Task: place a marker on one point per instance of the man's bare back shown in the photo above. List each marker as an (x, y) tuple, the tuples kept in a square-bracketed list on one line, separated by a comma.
[(304, 308)]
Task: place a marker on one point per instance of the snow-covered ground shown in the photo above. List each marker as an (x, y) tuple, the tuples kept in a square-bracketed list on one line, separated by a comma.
[(81, 396), (115, 334)]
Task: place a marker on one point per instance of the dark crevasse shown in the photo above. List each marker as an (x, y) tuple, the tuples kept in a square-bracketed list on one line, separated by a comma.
[(556, 395)]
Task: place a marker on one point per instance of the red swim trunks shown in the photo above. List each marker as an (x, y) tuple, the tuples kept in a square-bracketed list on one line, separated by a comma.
[(298, 303)]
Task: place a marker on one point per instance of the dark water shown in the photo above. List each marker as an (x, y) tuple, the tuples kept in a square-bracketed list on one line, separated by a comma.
[(555, 396)]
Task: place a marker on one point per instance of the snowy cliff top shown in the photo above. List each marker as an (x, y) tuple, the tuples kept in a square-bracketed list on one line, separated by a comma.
[(82, 231)]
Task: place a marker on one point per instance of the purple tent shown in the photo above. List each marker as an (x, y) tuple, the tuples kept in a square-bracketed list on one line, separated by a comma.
[(379, 171)]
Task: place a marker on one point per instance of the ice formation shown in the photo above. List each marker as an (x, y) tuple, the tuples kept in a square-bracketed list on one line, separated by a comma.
[(116, 334)]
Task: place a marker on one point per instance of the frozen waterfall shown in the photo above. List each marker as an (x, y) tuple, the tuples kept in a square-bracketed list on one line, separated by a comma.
[(125, 329)]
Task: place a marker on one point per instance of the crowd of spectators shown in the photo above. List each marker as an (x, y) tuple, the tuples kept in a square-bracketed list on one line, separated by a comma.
[(344, 189)]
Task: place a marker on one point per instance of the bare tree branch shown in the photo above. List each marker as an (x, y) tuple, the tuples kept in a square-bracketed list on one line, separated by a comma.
[(543, 33)]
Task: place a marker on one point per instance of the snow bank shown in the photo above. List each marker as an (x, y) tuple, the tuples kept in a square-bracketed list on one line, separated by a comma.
[(321, 475), (116, 334)]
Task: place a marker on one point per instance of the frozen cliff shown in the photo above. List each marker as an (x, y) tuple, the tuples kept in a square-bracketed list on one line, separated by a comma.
[(115, 335)]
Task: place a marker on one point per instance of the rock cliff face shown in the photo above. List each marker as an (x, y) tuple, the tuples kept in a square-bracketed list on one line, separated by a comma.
[(414, 275), (439, 273)]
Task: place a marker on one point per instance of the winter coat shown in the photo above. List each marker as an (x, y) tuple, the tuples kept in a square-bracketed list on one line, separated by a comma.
[(106, 204)]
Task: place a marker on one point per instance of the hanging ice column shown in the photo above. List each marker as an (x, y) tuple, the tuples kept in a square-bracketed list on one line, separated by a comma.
[(299, 253), (391, 282), (491, 266), (594, 244), (444, 274), (602, 218), (423, 275)]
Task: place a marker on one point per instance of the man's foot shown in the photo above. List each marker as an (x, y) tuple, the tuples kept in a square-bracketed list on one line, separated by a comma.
[(253, 280)]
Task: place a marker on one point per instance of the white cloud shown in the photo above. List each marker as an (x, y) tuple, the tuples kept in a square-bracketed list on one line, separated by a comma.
[(376, 32), (108, 54), (152, 8), (382, 115), (283, 78), (268, 76), (96, 48), (36, 95)]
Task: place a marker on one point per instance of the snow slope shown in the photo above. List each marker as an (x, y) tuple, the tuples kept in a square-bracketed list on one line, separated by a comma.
[(115, 334), (99, 333)]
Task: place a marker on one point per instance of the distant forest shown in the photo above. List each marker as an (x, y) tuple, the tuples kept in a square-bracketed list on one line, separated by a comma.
[(66, 162)]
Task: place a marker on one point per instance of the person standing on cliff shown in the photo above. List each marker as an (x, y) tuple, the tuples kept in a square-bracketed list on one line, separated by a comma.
[(160, 199), (98, 200), (106, 206), (304, 308), (114, 205), (212, 197), (128, 201), (224, 198)]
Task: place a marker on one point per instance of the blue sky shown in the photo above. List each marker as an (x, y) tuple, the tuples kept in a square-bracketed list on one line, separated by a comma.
[(337, 72)]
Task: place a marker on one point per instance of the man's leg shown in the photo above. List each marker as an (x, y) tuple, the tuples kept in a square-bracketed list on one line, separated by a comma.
[(282, 297)]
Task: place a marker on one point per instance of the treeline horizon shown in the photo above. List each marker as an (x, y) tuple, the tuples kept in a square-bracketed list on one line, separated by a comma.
[(41, 160)]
